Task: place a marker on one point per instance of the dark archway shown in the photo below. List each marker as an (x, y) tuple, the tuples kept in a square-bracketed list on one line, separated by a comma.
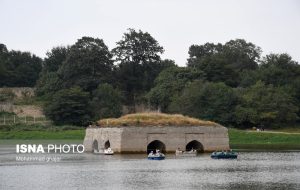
[(95, 146), (107, 144), (196, 145), (156, 144)]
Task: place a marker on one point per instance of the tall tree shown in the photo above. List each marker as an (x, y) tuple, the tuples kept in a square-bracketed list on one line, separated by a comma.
[(49, 82), (3, 62), (55, 58), (106, 102), (265, 105), (225, 63), (279, 69), (18, 69), (69, 106), (88, 64), (138, 58), (205, 100), (241, 55), (169, 85)]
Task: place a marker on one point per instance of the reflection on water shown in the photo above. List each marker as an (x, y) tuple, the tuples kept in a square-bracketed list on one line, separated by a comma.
[(252, 170)]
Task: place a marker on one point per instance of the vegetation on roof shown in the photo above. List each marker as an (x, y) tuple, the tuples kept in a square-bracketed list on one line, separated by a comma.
[(154, 119)]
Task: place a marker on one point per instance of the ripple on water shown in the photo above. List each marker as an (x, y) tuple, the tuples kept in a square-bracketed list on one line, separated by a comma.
[(252, 170)]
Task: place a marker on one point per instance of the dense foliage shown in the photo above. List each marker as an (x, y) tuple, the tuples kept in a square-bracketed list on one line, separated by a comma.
[(211, 101), (228, 83), (87, 64), (169, 85), (69, 106), (106, 102), (139, 63), (18, 69)]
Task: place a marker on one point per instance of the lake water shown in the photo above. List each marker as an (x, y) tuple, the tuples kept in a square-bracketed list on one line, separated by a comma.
[(252, 170)]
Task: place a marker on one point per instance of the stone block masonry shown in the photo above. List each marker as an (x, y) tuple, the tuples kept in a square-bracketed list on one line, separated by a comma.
[(142, 139)]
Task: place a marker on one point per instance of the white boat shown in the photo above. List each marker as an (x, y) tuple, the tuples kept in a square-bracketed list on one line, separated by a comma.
[(108, 151), (186, 153)]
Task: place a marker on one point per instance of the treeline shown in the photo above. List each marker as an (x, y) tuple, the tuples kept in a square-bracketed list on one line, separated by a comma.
[(18, 69), (228, 83)]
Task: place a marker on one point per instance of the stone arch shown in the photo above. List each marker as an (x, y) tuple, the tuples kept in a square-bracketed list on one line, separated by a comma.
[(194, 144), (156, 144), (95, 146), (107, 144)]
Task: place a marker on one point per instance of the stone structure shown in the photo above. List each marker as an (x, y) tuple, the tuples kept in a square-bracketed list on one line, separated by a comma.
[(142, 139), (19, 92)]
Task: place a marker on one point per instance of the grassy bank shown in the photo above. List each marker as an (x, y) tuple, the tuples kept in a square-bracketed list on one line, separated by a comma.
[(28, 135), (40, 132), (241, 139)]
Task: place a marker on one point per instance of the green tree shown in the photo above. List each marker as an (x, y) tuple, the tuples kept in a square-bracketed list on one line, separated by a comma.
[(87, 65), (18, 69), (139, 62), (106, 102), (278, 69), (170, 83), (281, 70), (49, 82), (265, 105), (55, 58), (69, 106), (3, 60), (205, 100), (241, 55), (224, 63)]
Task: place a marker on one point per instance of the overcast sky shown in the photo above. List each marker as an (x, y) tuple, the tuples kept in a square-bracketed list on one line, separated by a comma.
[(37, 26)]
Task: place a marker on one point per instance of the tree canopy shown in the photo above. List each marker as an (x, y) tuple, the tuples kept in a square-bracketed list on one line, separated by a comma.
[(139, 62), (224, 63), (69, 106), (87, 64), (229, 83), (18, 69), (265, 105), (106, 102), (210, 101)]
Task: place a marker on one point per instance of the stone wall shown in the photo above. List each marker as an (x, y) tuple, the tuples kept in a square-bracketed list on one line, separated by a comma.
[(101, 135), (20, 110), (20, 92), (136, 139)]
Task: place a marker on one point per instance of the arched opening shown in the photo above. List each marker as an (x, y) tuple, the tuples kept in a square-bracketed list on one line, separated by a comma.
[(196, 145), (95, 146), (156, 145), (107, 144)]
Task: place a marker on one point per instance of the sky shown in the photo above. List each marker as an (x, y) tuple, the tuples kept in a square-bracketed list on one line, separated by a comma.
[(37, 26)]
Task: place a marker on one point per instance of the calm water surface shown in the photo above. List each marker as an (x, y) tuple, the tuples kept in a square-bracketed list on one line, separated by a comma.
[(252, 170)]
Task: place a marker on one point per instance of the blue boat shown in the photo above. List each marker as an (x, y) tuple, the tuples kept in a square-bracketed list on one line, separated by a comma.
[(156, 156), (224, 155)]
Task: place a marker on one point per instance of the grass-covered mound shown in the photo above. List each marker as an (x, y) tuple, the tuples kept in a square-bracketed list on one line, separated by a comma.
[(154, 119)]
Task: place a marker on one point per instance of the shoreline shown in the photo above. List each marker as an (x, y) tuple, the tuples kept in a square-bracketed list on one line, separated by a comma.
[(239, 140)]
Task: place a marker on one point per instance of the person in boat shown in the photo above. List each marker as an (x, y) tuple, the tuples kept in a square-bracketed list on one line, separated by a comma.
[(193, 150), (157, 152), (178, 151)]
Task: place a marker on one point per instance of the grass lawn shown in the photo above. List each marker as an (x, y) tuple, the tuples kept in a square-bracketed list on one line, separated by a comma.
[(263, 140), (28, 135)]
